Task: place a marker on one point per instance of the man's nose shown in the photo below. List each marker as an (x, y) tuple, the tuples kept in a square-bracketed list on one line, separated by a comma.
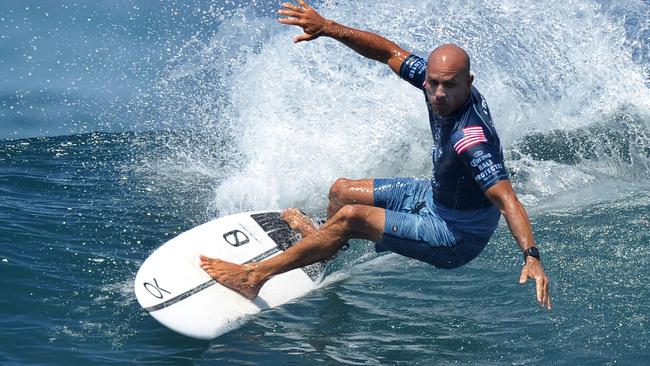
[(440, 92)]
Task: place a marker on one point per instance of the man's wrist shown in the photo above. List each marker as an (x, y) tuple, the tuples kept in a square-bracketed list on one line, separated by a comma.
[(330, 29), (532, 252)]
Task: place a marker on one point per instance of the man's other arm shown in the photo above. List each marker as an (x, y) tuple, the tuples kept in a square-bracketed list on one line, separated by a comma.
[(503, 196)]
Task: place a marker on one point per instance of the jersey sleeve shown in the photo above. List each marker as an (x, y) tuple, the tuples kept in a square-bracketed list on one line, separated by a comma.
[(413, 70), (481, 156)]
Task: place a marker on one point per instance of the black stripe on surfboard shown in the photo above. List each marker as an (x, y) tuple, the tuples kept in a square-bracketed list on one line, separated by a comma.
[(204, 285), (180, 297)]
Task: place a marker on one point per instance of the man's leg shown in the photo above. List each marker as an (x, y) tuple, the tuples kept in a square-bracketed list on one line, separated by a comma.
[(349, 221)]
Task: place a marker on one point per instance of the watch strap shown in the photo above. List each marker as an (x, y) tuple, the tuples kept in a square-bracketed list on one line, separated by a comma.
[(532, 252)]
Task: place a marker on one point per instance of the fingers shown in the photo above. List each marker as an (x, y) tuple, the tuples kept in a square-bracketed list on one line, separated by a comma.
[(539, 288), (292, 7), (290, 21), (303, 37), (297, 9), (547, 295), (289, 13), (541, 285), (303, 4), (543, 296), (524, 276), (293, 14), (292, 17)]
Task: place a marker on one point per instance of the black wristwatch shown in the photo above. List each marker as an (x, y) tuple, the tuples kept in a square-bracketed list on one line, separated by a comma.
[(533, 252)]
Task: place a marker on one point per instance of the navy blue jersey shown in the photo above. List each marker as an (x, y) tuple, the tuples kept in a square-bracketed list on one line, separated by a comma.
[(467, 155)]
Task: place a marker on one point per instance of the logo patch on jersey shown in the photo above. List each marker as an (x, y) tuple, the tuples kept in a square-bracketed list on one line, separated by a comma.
[(471, 137), (484, 106)]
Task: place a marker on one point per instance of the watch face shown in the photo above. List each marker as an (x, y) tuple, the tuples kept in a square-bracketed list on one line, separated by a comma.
[(533, 252)]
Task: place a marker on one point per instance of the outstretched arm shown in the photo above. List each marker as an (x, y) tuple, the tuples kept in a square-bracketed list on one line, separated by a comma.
[(370, 45), (504, 198)]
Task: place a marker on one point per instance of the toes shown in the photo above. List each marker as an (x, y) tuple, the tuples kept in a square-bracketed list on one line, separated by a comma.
[(209, 261)]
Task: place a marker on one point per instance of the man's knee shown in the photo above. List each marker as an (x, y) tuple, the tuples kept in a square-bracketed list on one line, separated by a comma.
[(338, 189), (359, 221), (342, 222)]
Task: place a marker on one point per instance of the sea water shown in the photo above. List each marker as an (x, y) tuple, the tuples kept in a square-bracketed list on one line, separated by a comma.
[(125, 124)]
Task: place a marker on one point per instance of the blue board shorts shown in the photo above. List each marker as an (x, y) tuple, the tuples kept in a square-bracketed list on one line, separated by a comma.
[(414, 229)]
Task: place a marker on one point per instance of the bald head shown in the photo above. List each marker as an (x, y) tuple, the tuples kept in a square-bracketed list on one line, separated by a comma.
[(448, 81), (450, 56)]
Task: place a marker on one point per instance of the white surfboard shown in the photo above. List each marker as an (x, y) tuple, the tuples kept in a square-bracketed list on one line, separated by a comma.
[(174, 289)]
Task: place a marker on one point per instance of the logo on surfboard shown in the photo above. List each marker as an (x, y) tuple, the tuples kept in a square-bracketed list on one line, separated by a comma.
[(236, 238), (155, 290)]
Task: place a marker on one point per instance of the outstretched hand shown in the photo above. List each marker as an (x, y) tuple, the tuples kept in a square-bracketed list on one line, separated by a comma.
[(533, 269), (302, 15)]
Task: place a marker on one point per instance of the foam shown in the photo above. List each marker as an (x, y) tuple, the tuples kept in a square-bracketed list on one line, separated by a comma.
[(297, 116)]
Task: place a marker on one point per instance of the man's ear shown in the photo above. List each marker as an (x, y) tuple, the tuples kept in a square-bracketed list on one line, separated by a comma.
[(470, 79)]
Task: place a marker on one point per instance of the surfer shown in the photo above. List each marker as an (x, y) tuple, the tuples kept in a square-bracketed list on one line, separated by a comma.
[(445, 221)]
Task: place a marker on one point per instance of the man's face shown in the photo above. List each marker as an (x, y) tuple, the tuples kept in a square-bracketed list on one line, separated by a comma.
[(447, 87)]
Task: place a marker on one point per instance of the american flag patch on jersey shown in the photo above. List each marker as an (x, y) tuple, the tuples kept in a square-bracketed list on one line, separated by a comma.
[(471, 137)]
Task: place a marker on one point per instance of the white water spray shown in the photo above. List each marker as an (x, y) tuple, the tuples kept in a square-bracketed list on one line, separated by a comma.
[(297, 116)]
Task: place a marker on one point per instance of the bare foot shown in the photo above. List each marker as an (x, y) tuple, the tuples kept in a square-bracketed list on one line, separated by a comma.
[(237, 277), (299, 222)]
